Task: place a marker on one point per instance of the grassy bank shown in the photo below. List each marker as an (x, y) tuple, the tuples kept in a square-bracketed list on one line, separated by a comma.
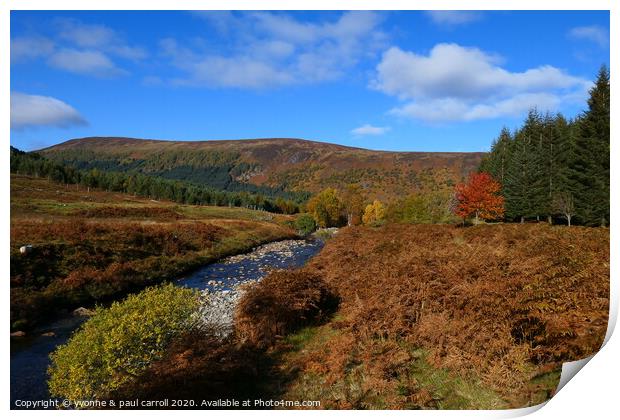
[(89, 246)]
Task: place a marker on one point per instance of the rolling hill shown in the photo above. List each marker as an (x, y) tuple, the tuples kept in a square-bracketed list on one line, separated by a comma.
[(270, 164)]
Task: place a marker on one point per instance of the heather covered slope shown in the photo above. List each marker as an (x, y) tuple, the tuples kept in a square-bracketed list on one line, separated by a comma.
[(279, 164), (91, 246)]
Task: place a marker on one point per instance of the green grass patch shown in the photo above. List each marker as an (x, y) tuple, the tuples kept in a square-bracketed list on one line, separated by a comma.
[(212, 212), (448, 391), (301, 338), (542, 387)]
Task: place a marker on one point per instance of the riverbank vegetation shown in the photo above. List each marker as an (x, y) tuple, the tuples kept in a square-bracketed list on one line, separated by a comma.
[(89, 245), (119, 343)]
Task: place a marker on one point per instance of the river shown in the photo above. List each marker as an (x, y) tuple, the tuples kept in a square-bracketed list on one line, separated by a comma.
[(30, 354)]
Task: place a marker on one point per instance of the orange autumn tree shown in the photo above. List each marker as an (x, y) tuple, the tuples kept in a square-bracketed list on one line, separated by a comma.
[(479, 198)]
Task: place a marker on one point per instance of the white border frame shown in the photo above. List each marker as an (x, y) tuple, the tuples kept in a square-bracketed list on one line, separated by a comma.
[(593, 393)]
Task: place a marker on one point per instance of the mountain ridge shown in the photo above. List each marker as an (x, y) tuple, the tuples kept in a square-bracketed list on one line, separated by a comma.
[(249, 141), (281, 163)]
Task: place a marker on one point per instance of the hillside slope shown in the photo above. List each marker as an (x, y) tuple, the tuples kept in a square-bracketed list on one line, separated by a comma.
[(90, 246), (282, 164)]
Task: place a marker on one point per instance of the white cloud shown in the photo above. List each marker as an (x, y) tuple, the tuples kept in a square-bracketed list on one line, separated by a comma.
[(285, 27), (98, 37), (224, 21), (369, 130), (349, 26), (88, 62), (78, 48), (453, 17), (455, 83), (273, 49), (34, 110), (593, 33), (240, 72), (456, 71), (87, 36), (25, 48), (128, 52), (451, 109)]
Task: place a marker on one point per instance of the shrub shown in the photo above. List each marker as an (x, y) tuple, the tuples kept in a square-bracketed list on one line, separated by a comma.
[(423, 207), (305, 224), (119, 343), (280, 303)]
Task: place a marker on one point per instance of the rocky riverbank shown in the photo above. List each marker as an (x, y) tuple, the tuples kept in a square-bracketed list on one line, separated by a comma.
[(218, 308), (223, 283)]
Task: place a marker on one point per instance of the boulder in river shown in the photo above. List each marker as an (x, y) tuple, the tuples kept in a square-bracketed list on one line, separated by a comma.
[(18, 334), (81, 311), (48, 334), (26, 249)]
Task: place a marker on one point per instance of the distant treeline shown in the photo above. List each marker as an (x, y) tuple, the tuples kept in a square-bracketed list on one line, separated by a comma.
[(215, 169), (146, 186), (553, 168)]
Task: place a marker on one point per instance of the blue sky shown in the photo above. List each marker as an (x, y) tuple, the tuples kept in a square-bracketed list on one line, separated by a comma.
[(413, 81)]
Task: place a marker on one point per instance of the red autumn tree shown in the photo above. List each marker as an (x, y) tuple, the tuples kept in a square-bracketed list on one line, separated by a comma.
[(479, 198)]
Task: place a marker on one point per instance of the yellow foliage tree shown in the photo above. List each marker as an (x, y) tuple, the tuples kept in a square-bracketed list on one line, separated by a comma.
[(326, 208), (353, 202), (374, 214)]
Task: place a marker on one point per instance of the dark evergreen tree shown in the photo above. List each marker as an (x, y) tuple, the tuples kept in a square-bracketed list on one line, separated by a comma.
[(590, 168), (556, 152), (517, 180), (496, 163), (562, 154), (524, 179)]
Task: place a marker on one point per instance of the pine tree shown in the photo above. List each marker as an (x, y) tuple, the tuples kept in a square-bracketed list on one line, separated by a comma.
[(556, 152), (562, 154), (516, 182), (524, 181), (590, 168), (496, 162)]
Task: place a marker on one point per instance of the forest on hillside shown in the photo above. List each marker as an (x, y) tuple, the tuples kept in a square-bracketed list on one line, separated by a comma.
[(220, 170), (154, 187)]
